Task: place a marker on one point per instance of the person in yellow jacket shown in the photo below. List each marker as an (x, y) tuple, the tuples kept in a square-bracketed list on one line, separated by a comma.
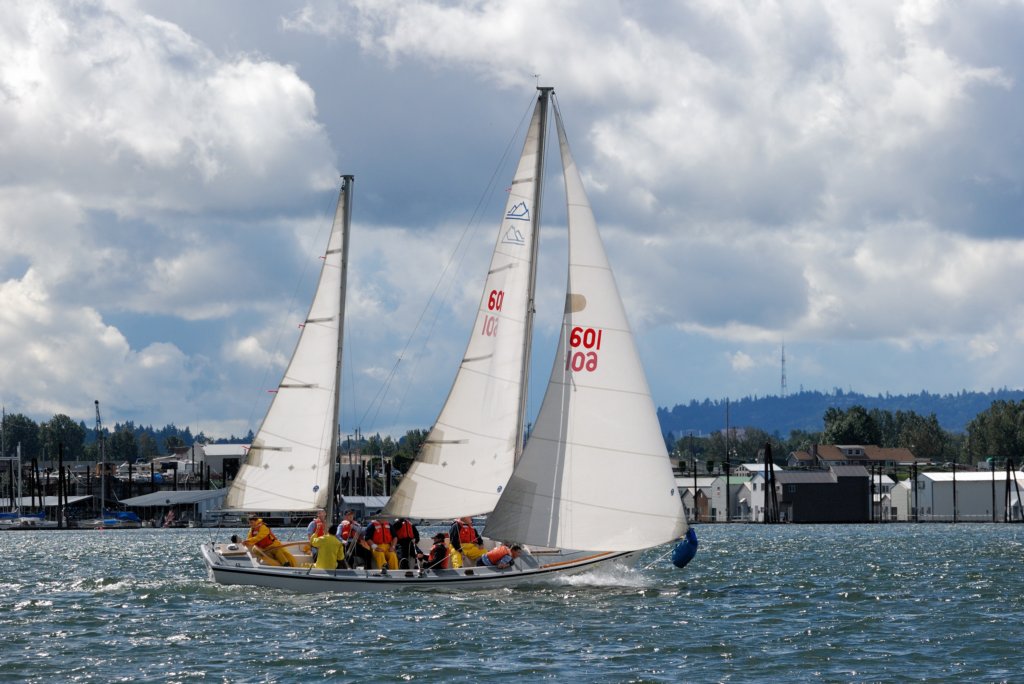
[(260, 537), (466, 541), (330, 551)]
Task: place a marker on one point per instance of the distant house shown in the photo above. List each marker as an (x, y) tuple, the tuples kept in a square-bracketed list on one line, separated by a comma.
[(726, 494), (696, 501), (840, 494), (822, 456)]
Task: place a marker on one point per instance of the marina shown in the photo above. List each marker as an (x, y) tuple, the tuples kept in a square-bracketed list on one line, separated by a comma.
[(894, 602)]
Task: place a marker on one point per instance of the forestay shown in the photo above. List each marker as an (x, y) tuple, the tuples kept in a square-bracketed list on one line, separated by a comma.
[(595, 473)]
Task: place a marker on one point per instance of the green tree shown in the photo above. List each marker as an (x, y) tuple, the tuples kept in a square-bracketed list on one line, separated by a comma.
[(20, 429), (147, 446), (997, 432), (122, 447), (923, 436), (408, 447), (62, 430), (854, 426)]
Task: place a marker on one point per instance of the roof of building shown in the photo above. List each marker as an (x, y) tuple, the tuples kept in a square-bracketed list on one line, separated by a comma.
[(804, 476), (849, 470), (684, 481), (172, 498), (225, 449), (48, 501), (841, 452), (974, 476), (757, 467)]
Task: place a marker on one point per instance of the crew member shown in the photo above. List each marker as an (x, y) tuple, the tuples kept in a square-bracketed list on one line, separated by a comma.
[(382, 544), (465, 540), (407, 539), (262, 538), (356, 547), (438, 558), (500, 557), (331, 551), (317, 527)]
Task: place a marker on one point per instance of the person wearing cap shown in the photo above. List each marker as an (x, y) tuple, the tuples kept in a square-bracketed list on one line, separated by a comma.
[(438, 558), (262, 538)]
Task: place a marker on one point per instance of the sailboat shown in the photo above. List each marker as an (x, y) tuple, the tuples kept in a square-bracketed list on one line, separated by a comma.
[(591, 486)]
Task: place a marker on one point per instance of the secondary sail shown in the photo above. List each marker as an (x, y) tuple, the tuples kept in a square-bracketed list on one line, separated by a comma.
[(289, 466), (595, 474), (469, 454)]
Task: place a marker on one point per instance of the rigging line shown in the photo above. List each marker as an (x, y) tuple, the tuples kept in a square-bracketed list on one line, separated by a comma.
[(280, 325), (460, 250)]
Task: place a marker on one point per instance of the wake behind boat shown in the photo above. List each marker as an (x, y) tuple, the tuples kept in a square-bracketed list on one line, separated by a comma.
[(593, 484)]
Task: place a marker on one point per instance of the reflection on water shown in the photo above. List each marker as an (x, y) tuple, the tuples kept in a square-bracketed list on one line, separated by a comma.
[(863, 603)]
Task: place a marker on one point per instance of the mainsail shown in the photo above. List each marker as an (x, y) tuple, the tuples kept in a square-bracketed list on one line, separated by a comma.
[(468, 456), (290, 464), (595, 473)]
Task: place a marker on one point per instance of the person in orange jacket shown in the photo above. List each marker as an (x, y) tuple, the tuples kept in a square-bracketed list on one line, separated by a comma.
[(466, 540), (500, 556), (382, 544)]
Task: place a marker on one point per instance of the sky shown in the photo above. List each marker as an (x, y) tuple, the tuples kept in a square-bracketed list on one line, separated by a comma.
[(843, 179)]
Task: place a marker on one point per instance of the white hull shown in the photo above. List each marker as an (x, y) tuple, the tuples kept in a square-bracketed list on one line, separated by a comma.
[(229, 564)]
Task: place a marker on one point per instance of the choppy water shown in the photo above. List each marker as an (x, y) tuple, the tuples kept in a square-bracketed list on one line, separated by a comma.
[(797, 603)]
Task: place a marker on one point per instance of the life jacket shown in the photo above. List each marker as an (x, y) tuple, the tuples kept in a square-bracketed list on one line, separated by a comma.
[(269, 540), (346, 529), (404, 530), (320, 529), (381, 532), (438, 557), (497, 553), (466, 533)]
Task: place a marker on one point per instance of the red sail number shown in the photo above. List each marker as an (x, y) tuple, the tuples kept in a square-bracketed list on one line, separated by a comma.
[(588, 338), (495, 300)]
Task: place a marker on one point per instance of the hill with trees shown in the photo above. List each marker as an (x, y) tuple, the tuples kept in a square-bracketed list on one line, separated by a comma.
[(805, 411)]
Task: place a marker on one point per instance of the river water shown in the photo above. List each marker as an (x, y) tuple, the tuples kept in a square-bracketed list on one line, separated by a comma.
[(886, 603)]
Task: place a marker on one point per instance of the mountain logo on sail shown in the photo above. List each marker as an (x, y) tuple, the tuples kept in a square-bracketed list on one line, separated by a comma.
[(518, 212), (513, 237)]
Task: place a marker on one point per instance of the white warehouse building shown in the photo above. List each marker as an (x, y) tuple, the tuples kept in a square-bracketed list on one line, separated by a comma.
[(977, 495)]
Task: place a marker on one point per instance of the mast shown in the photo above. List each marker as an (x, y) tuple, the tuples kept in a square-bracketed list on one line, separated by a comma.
[(345, 198), (538, 189)]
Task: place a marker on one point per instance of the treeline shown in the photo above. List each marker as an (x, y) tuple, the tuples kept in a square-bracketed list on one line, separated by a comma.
[(124, 442), (995, 434), (804, 410)]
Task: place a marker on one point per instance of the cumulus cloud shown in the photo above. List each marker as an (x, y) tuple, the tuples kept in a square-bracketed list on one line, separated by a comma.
[(127, 147)]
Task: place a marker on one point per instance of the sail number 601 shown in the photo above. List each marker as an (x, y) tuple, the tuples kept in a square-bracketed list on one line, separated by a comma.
[(584, 344)]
